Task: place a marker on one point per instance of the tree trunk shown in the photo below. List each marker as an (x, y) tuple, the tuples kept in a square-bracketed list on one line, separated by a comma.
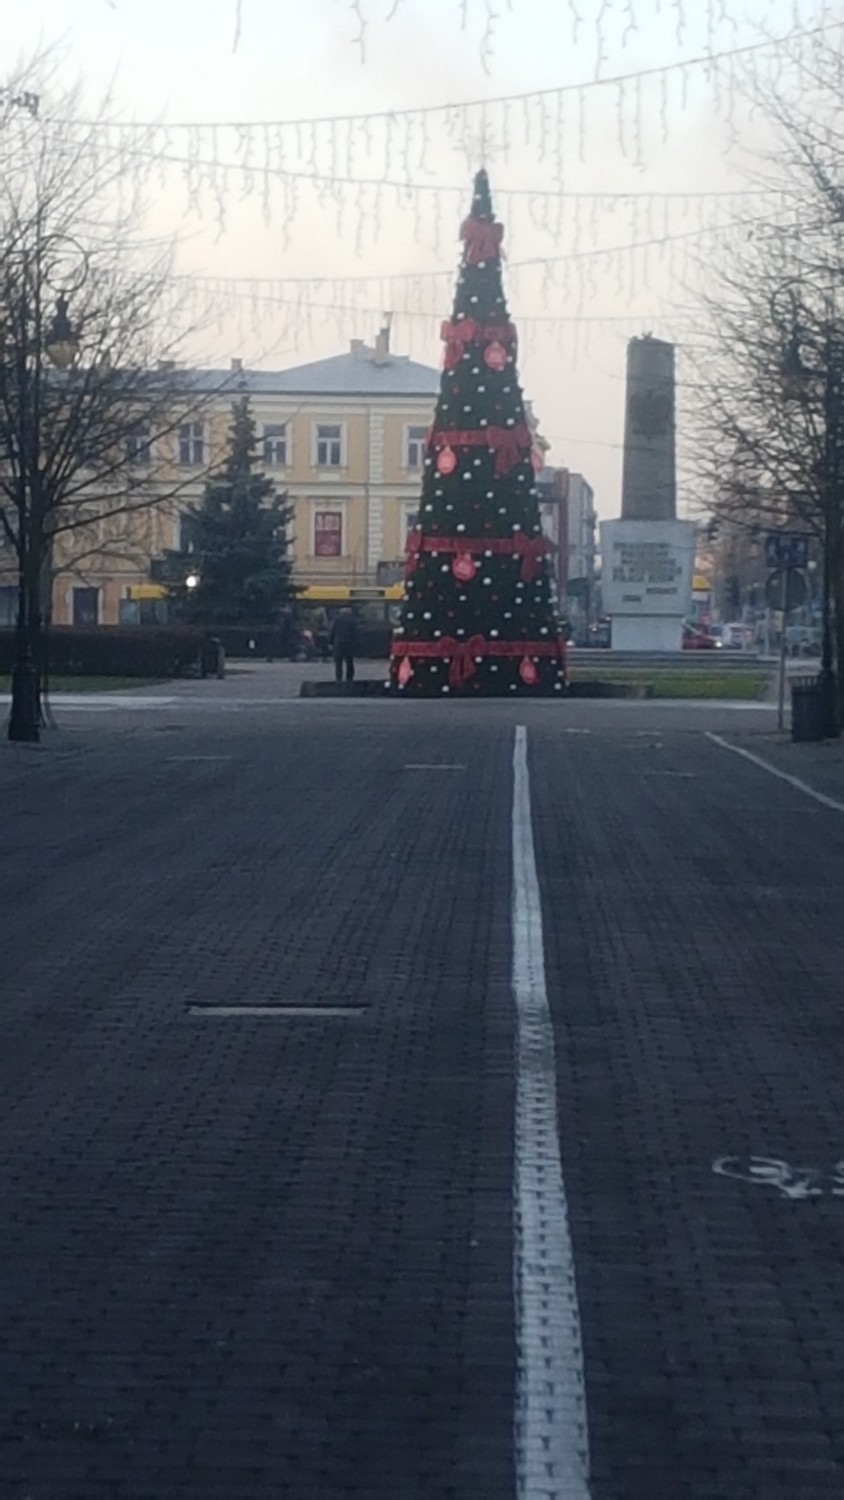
[(838, 633)]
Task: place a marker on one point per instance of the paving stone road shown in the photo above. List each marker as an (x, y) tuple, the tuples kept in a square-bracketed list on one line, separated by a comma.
[(245, 1257)]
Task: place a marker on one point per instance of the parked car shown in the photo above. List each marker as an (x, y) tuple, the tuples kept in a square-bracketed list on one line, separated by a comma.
[(803, 640), (600, 634), (698, 640), (736, 636)]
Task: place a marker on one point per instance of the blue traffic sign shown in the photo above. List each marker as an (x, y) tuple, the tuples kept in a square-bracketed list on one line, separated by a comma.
[(786, 549)]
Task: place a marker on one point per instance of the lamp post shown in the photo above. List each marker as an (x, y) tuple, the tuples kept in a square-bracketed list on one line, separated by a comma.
[(798, 383), (60, 342)]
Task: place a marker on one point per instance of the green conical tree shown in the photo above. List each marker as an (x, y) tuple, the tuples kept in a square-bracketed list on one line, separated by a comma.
[(239, 541), (479, 614)]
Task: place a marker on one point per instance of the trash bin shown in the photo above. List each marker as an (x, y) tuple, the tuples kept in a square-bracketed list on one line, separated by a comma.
[(806, 710), (212, 658)]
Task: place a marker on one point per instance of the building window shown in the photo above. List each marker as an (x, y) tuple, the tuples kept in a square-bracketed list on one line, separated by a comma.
[(329, 445), (549, 520), (188, 531), (86, 606), (275, 444), (410, 519), (328, 533), (192, 443), (139, 445), (417, 442)]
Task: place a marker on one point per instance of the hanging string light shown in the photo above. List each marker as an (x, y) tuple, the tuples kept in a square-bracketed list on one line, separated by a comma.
[(394, 144), (597, 15)]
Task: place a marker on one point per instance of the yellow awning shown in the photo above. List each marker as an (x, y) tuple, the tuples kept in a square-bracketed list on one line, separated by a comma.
[(317, 593), (147, 591), (700, 584)]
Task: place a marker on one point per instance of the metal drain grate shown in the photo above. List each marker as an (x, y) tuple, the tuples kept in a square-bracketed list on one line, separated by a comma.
[(280, 1012), (434, 766)]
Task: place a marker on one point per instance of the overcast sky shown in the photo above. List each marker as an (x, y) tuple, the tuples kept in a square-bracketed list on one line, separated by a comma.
[(298, 59)]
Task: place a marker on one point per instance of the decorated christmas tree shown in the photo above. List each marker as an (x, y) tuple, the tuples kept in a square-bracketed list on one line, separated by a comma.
[(479, 614)]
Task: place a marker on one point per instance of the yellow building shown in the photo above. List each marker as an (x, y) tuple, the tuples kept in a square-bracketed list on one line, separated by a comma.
[(344, 437)]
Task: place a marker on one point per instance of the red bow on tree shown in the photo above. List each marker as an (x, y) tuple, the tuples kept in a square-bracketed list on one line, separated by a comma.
[(509, 443), (482, 240), (457, 336), (531, 549), (466, 331), (462, 655), (413, 547)]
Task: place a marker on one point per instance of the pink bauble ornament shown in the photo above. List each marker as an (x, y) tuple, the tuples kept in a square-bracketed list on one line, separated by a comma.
[(405, 671), (463, 567), (495, 356), (446, 461), (528, 672)]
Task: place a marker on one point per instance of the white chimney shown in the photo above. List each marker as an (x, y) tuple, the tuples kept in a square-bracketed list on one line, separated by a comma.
[(237, 366), (356, 348), (382, 347)]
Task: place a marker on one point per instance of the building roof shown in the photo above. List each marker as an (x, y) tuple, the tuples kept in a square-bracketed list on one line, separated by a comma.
[(361, 372)]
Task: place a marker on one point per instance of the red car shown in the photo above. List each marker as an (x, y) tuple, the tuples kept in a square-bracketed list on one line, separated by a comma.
[(698, 640)]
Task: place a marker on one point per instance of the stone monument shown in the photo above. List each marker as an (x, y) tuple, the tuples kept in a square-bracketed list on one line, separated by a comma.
[(648, 556)]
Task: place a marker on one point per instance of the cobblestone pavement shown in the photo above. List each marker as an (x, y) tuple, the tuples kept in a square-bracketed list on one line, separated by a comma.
[(247, 1257), (821, 766)]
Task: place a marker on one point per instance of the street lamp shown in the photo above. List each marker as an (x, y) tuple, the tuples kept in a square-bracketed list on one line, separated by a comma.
[(798, 383), (63, 339), (61, 344)]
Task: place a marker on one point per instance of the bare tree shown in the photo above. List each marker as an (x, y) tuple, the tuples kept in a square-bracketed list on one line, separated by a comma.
[(91, 396), (768, 373)]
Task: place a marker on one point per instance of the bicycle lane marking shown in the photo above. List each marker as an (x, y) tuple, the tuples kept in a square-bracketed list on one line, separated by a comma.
[(551, 1428)]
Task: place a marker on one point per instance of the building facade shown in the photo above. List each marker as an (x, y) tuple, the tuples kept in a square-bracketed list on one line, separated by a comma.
[(344, 437), (582, 550), (553, 486)]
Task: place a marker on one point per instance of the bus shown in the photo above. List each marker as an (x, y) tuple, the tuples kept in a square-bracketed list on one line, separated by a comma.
[(373, 606)]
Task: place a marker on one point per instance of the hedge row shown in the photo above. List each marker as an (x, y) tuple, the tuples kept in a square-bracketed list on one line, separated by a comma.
[(115, 651), (267, 642), (163, 650)]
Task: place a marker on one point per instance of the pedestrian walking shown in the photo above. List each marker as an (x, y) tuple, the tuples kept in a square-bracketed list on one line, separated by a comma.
[(288, 634), (344, 633)]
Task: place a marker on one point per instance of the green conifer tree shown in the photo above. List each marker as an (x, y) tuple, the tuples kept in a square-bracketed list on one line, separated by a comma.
[(479, 614), (239, 543)]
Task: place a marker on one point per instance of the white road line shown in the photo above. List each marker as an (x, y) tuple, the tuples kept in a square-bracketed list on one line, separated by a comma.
[(801, 786), (551, 1435)]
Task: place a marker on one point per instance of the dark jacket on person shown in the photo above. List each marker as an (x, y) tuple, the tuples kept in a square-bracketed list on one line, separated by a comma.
[(344, 633)]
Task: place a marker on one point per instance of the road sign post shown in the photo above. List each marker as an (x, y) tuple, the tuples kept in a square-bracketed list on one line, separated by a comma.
[(781, 697), (785, 590)]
